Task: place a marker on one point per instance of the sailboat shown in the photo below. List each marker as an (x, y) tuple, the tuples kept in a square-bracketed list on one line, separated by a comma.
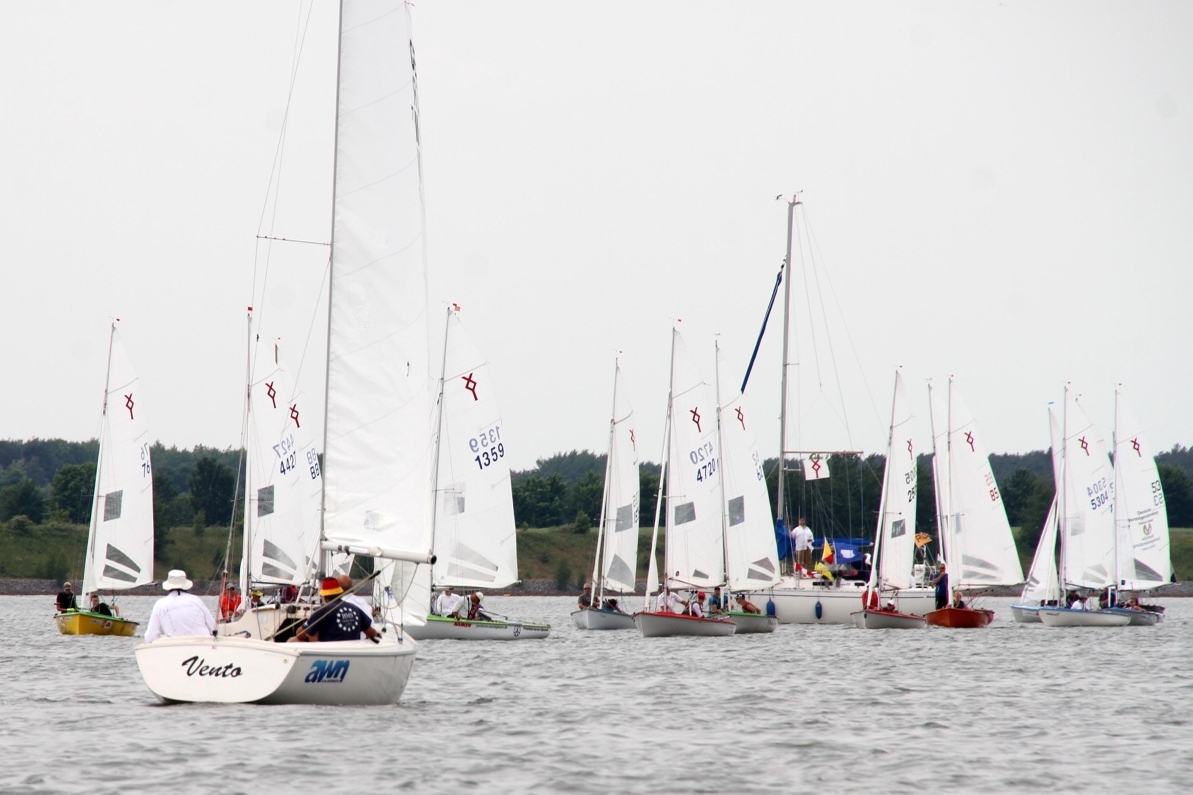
[(1042, 588), (120, 536), (475, 538), (1085, 517), (284, 486), (979, 548), (801, 598), (747, 524), (894, 539), (1142, 557), (694, 555), (616, 559), (376, 464)]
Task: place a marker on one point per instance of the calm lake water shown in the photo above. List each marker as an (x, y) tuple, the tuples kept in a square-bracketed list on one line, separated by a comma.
[(1012, 708)]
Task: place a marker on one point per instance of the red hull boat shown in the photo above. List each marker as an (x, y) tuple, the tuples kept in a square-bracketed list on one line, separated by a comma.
[(960, 617)]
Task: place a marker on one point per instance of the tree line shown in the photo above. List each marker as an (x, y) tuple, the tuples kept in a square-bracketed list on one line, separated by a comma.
[(53, 480)]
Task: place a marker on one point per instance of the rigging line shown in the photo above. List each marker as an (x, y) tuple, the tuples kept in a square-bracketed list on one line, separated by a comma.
[(848, 336), (273, 239)]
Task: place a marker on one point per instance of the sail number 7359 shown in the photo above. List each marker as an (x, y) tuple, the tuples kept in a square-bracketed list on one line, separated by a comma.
[(488, 447)]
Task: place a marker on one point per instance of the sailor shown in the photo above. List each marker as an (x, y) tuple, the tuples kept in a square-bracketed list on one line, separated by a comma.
[(179, 614), (449, 603), (941, 581), (66, 599), (716, 602), (585, 601), (475, 612), (102, 608), (229, 602), (336, 619), (354, 598), (746, 605), (696, 606), (801, 539)]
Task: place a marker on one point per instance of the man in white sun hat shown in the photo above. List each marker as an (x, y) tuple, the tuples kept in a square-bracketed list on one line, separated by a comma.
[(178, 613)]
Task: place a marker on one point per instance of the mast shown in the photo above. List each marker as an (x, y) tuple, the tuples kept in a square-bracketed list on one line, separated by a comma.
[(331, 267), (780, 507), (1062, 527), (99, 462), (658, 505), (875, 583), (438, 439), (246, 542), (721, 479), (597, 568)]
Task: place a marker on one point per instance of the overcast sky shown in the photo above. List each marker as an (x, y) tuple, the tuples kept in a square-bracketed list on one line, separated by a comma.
[(998, 190)]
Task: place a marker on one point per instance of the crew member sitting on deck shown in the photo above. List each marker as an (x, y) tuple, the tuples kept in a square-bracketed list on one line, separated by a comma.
[(102, 608), (745, 605), (696, 606), (229, 602), (449, 603), (612, 604), (585, 600), (336, 619), (66, 599), (475, 613), (958, 602), (716, 602)]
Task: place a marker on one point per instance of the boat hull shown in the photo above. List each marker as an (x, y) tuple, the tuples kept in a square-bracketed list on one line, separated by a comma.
[(960, 618), (1139, 618), (592, 618), (237, 670), (82, 622), (887, 619), (1065, 617), (663, 625), (441, 628), (753, 623), (1026, 614), (262, 623), (800, 602)]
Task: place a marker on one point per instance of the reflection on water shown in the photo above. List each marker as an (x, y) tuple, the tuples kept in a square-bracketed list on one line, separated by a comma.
[(1012, 708)]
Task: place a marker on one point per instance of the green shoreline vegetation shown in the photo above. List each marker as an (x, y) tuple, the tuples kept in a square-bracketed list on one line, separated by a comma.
[(45, 503)]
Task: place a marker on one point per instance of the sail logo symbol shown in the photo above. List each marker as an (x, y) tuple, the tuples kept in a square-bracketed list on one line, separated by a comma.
[(128, 404), (327, 671), (271, 393), (470, 385), (696, 417), (1147, 529), (1135, 446)]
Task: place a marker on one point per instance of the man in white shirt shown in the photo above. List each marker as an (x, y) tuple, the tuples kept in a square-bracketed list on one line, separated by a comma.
[(449, 603), (801, 537), (178, 613)]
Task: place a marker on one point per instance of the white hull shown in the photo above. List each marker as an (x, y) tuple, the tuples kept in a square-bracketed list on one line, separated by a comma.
[(589, 618), (882, 619), (663, 625), (1139, 618), (236, 670), (261, 623), (438, 628), (796, 601), (1064, 617), (1026, 614), (749, 623)]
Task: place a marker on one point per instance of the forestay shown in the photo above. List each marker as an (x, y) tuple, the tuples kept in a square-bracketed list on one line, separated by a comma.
[(120, 538)]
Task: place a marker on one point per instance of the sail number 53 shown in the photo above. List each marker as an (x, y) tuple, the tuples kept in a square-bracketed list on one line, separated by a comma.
[(488, 447)]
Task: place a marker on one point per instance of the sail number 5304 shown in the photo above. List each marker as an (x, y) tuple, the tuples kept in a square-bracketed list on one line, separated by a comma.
[(488, 447)]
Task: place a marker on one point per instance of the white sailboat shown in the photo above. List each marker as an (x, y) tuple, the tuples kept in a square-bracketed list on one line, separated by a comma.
[(1085, 515), (800, 598), (1042, 588), (376, 469), (1142, 547), (894, 539), (694, 556), (475, 538), (747, 524), (616, 562), (283, 488), (120, 536), (979, 548)]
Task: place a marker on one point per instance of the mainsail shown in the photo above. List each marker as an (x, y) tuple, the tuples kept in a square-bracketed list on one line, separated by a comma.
[(120, 538), (895, 547), (619, 512), (1140, 514), (1086, 503)]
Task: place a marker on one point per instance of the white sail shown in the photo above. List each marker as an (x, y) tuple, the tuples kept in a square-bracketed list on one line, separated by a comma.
[(896, 521), (751, 557), (1043, 584), (377, 436), (695, 546), (120, 538), (619, 520), (283, 481), (979, 546), (1087, 506), (1140, 514), (475, 535)]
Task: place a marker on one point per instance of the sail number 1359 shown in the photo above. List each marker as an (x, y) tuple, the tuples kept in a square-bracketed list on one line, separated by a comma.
[(488, 447)]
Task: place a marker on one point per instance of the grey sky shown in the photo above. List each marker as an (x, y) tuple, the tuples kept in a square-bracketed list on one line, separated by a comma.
[(1001, 191)]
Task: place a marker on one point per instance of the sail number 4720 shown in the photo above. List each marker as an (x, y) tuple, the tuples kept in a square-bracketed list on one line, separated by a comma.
[(488, 447), (702, 458)]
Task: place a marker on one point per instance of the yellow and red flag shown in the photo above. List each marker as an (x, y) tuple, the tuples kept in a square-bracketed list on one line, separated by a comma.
[(826, 557)]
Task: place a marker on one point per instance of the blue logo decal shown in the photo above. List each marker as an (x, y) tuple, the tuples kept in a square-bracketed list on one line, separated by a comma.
[(327, 671)]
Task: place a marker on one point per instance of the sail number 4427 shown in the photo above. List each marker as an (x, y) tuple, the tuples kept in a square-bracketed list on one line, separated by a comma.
[(488, 446)]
